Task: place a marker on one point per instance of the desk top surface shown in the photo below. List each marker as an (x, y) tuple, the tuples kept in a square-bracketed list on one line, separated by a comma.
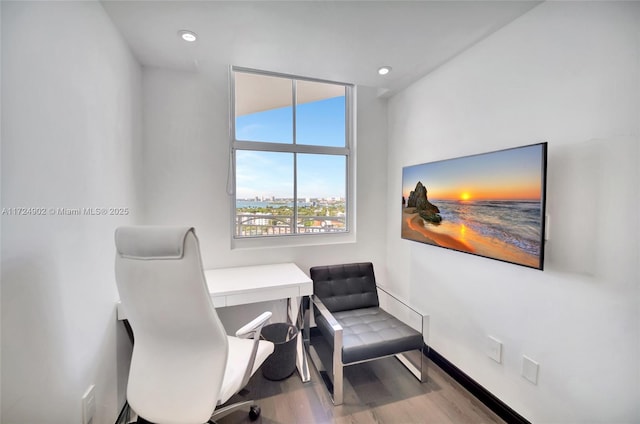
[(248, 284), (225, 281)]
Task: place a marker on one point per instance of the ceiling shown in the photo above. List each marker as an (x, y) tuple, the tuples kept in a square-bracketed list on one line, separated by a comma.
[(343, 41)]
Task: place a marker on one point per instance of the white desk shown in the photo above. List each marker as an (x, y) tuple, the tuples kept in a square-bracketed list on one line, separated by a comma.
[(260, 283), (250, 284)]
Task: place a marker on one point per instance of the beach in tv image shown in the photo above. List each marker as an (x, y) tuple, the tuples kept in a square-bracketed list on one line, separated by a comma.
[(491, 204)]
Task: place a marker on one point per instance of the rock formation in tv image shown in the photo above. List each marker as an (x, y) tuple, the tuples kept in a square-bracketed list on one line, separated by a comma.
[(418, 199)]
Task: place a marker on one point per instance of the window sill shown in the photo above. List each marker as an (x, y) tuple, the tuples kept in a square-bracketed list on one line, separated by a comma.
[(292, 241)]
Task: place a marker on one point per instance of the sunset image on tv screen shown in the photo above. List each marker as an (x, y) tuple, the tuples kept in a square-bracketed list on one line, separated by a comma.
[(490, 204)]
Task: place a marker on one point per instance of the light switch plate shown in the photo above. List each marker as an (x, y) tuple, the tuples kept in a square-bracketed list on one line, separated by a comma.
[(530, 369), (494, 349)]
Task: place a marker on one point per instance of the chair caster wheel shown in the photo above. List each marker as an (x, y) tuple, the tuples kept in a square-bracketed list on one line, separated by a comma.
[(254, 412)]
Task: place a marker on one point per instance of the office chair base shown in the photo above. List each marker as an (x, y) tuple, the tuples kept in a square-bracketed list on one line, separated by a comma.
[(254, 410)]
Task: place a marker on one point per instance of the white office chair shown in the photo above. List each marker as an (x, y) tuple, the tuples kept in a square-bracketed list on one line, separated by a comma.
[(183, 364)]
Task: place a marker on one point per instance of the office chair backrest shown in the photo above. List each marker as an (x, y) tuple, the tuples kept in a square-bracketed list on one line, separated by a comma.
[(180, 347), (345, 287)]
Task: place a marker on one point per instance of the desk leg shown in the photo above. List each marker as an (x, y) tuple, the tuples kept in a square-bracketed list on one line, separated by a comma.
[(296, 316)]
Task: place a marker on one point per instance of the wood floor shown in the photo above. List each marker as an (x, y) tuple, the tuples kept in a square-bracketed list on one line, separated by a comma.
[(380, 391)]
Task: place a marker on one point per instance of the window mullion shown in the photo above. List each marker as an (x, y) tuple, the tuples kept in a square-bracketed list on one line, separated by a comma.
[(349, 136), (294, 224), (288, 148)]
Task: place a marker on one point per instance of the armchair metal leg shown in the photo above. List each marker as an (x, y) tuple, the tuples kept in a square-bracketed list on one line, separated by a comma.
[(333, 381), (417, 368), (338, 369)]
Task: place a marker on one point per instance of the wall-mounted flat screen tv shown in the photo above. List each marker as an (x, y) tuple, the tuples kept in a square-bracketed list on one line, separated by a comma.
[(490, 204)]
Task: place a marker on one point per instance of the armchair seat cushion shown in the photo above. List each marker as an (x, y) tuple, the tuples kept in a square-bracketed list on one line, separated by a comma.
[(370, 333)]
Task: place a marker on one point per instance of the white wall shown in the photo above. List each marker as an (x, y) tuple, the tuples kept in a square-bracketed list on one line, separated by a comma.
[(186, 151), (71, 124), (0, 205), (567, 73)]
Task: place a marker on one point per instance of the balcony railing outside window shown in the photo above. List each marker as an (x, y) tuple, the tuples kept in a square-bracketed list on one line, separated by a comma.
[(256, 225)]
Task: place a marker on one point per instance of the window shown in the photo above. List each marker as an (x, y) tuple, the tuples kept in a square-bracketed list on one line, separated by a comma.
[(291, 140)]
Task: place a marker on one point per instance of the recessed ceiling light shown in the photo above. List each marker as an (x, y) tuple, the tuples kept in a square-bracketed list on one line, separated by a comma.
[(187, 35), (384, 70)]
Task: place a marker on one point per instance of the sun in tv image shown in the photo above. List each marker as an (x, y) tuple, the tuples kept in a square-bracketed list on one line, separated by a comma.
[(491, 204)]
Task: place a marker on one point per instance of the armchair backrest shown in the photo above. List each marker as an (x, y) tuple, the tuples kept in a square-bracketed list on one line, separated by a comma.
[(344, 287), (180, 347)]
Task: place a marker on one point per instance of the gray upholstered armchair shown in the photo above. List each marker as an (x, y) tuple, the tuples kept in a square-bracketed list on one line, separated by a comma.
[(348, 314)]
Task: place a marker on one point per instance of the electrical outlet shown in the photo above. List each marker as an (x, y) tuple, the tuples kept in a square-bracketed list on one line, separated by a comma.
[(89, 405), (530, 369), (494, 349)]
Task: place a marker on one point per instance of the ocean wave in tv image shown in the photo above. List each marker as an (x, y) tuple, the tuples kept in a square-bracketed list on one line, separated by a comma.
[(514, 222)]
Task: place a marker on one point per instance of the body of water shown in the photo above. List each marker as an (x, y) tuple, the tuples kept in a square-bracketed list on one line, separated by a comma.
[(517, 223), (256, 204)]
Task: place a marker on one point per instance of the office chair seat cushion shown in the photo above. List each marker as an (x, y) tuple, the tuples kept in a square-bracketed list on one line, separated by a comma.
[(238, 358), (370, 333)]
